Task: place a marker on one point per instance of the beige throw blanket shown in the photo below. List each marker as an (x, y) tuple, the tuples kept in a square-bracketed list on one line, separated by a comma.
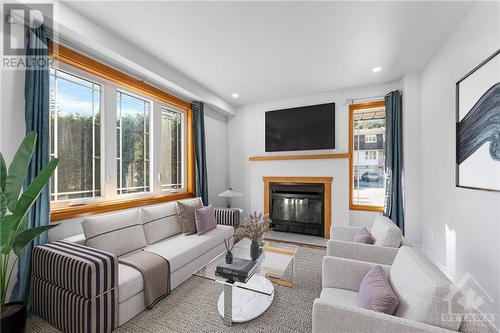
[(155, 271)]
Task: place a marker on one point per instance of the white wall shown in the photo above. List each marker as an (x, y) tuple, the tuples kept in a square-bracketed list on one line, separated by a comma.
[(217, 157), (460, 227), (247, 138), (12, 126), (412, 164)]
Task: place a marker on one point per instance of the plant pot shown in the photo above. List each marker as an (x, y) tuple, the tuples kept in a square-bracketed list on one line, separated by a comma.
[(13, 317), (254, 250)]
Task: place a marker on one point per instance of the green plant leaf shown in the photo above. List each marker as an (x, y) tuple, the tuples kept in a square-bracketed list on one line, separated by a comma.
[(22, 239), (33, 191), (6, 231), (23, 224), (3, 206), (3, 173), (18, 169)]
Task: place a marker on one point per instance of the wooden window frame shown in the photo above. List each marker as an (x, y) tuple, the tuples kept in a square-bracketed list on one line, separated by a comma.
[(352, 109), (70, 57)]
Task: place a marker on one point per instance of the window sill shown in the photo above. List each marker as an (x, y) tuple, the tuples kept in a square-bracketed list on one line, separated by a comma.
[(68, 212), (366, 208)]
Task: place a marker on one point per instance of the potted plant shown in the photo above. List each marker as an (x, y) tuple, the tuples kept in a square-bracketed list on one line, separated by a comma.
[(14, 232), (254, 229)]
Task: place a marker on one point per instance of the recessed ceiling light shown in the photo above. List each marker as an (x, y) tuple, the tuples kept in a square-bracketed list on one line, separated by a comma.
[(235, 95), (376, 69)]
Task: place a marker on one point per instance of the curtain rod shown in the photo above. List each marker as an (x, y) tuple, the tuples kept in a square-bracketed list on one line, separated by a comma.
[(19, 20), (367, 99)]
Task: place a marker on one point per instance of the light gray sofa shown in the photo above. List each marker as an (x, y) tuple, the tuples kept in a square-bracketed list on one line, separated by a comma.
[(421, 288), (185, 253), (387, 235)]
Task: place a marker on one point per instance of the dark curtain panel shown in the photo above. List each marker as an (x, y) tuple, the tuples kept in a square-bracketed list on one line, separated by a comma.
[(37, 118), (394, 196), (200, 151)]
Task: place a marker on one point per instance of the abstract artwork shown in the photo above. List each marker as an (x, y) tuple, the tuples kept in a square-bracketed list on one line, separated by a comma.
[(478, 127)]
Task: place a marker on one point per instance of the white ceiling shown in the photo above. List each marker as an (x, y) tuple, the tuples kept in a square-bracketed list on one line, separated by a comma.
[(274, 50)]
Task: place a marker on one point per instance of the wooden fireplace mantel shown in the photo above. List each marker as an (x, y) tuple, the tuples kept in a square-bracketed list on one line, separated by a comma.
[(327, 183)]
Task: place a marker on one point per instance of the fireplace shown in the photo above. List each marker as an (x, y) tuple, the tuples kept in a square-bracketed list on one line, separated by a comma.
[(297, 208), (282, 201)]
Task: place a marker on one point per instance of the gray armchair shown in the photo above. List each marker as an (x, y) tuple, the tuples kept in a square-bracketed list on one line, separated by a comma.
[(420, 287), (388, 239)]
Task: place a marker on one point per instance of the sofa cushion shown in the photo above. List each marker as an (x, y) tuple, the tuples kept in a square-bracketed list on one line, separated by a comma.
[(363, 236), (118, 233), (181, 249), (375, 292), (130, 282), (205, 219), (385, 232), (422, 289), (160, 222), (339, 296), (186, 209)]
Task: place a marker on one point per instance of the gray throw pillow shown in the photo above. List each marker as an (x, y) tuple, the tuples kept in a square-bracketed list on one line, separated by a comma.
[(205, 219), (117, 233), (186, 215), (363, 236), (375, 292)]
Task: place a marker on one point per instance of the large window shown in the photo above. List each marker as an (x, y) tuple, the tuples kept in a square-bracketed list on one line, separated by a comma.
[(171, 155), (132, 143), (367, 172), (121, 142), (75, 127)]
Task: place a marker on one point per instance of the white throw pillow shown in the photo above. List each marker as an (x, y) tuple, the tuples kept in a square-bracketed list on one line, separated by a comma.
[(118, 233), (160, 222), (385, 232)]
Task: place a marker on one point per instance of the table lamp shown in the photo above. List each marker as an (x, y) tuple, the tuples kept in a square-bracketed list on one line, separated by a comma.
[(228, 194)]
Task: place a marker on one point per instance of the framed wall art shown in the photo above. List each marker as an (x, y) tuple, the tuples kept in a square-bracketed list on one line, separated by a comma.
[(478, 127)]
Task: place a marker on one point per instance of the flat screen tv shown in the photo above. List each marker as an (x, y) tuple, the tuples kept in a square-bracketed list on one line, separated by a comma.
[(303, 128)]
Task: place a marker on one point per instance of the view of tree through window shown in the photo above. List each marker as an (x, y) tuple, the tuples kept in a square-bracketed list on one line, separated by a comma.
[(132, 144), (368, 157), (74, 136), (171, 175)]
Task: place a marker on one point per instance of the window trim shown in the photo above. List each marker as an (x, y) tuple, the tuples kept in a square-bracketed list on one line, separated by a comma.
[(69, 70), (169, 108), (151, 103), (352, 109), (90, 66)]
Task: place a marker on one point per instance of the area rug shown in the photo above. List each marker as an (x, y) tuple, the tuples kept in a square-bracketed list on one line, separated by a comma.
[(192, 307)]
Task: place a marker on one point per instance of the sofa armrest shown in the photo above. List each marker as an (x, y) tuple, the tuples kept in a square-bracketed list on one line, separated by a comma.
[(343, 233), (339, 318), (345, 273), (79, 269), (228, 216), (364, 252)]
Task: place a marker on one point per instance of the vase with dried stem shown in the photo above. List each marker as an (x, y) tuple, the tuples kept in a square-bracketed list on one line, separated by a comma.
[(253, 229), (229, 243)]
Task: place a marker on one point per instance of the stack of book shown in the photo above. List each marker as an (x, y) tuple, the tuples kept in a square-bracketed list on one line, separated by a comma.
[(240, 270)]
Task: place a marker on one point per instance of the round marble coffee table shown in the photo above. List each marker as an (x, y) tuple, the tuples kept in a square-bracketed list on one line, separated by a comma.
[(247, 304)]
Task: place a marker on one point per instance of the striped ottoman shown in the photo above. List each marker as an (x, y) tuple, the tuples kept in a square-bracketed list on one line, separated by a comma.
[(75, 288)]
